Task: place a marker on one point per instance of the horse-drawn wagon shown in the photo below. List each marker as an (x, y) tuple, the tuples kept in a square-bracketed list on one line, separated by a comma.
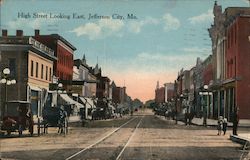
[(55, 117), (18, 117)]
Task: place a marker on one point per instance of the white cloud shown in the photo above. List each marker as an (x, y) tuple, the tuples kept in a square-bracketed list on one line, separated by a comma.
[(197, 50), (90, 29), (246, 1), (135, 26), (113, 25), (170, 22), (204, 17), (101, 29), (172, 58)]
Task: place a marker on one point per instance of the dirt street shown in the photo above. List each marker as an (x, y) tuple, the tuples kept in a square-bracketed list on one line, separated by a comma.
[(154, 139)]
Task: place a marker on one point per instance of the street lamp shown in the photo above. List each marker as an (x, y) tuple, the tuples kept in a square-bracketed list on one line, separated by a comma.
[(58, 90), (6, 80), (202, 93)]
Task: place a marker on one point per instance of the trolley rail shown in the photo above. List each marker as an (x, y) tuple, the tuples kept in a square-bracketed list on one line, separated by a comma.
[(116, 155)]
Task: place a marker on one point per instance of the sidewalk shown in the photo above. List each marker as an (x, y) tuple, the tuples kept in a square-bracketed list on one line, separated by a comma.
[(241, 138), (213, 122)]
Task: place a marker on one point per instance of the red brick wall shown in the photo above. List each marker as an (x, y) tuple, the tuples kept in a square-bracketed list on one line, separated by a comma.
[(64, 63), (243, 67), (170, 94), (231, 52), (116, 94), (208, 73), (63, 67), (160, 95)]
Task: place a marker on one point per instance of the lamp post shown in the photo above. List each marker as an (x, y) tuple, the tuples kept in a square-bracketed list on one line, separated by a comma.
[(59, 87), (202, 93), (6, 80)]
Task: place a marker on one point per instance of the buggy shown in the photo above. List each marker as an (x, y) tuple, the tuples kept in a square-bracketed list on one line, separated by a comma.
[(18, 117), (55, 117)]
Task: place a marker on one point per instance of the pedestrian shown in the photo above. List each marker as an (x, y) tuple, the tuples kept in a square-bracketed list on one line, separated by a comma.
[(224, 126), (235, 120), (220, 125)]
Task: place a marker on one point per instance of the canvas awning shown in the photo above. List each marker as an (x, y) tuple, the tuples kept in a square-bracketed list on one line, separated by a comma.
[(70, 101), (88, 102), (67, 99)]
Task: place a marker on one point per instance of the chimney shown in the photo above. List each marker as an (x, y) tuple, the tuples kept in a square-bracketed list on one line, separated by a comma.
[(19, 33), (37, 32), (4, 32)]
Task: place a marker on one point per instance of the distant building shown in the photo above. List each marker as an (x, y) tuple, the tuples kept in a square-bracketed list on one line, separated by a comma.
[(102, 86), (159, 94), (82, 72), (118, 93), (169, 91)]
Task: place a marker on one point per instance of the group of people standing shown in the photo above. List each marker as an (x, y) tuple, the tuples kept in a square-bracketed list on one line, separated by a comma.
[(222, 125)]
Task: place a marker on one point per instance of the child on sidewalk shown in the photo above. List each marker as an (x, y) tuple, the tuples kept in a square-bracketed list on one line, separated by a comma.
[(220, 125), (224, 126)]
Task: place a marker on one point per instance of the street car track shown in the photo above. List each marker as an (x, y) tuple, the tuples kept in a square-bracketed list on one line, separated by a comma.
[(119, 156), (103, 138)]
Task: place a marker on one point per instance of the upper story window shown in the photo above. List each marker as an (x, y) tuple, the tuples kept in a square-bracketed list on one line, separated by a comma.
[(42, 72), (32, 68), (50, 74), (46, 73), (37, 69), (12, 67)]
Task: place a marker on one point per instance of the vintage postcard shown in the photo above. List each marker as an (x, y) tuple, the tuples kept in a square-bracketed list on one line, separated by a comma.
[(127, 79)]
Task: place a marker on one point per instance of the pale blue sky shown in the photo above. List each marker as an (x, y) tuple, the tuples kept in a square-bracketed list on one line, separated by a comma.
[(166, 36)]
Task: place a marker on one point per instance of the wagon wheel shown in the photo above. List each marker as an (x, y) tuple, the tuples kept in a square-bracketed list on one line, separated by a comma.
[(65, 126), (8, 132), (31, 129), (38, 127)]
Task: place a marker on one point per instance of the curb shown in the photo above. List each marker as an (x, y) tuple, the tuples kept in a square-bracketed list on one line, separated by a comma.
[(238, 139)]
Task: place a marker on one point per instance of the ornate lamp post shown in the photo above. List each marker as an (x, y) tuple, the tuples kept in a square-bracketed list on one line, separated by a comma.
[(58, 90), (6, 80), (204, 107)]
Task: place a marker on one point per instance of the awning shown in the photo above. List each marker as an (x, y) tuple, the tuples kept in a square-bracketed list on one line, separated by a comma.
[(71, 101), (83, 100), (88, 102), (35, 88), (67, 99), (79, 105)]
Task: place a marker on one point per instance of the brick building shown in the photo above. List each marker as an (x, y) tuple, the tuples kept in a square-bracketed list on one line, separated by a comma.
[(159, 94), (169, 91), (237, 62), (118, 93), (83, 72), (31, 64), (229, 35), (64, 51)]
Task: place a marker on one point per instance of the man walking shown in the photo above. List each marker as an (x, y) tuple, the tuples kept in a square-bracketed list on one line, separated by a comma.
[(235, 120)]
